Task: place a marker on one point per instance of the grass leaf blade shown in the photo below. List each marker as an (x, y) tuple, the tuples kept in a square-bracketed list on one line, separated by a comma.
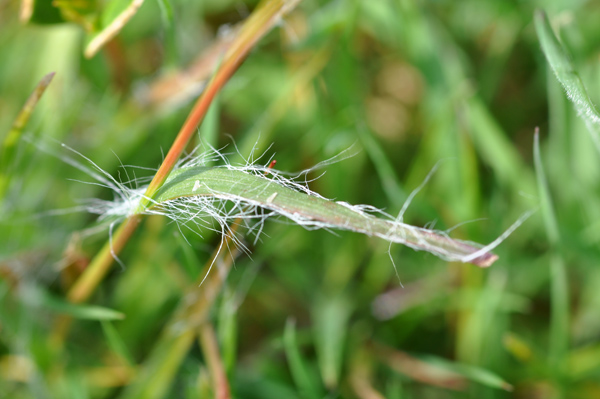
[(194, 185), (567, 76), (87, 312), (473, 373), (11, 140), (559, 291)]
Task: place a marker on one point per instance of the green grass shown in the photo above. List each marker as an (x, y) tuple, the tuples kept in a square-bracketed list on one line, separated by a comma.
[(310, 314)]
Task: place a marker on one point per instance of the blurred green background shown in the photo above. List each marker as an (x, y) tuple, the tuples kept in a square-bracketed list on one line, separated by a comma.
[(310, 314)]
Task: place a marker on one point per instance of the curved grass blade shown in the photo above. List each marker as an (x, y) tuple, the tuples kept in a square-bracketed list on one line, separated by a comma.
[(196, 186), (567, 76)]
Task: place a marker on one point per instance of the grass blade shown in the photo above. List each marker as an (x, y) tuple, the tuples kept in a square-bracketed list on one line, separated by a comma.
[(384, 168), (473, 373), (331, 315), (559, 292), (88, 312), (440, 372), (116, 343), (300, 371), (567, 76), (10, 142), (200, 186)]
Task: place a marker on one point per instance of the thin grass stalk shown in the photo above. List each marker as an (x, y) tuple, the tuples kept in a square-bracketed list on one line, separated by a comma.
[(559, 288), (210, 349), (95, 272)]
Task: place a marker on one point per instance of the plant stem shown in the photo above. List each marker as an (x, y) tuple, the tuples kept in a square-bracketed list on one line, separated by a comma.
[(210, 348), (256, 26), (178, 335), (100, 265)]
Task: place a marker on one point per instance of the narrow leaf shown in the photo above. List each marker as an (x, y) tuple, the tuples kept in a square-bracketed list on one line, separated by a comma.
[(89, 312), (198, 186), (330, 317), (115, 342), (567, 76), (299, 369), (473, 373), (559, 290), (10, 142), (166, 12)]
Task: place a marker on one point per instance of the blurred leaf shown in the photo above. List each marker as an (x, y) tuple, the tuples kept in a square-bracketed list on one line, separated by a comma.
[(300, 370), (389, 180), (190, 262), (156, 375), (496, 149), (115, 16), (209, 130), (517, 347), (559, 321), (89, 312), (40, 12), (544, 193), (116, 342), (473, 373), (584, 362), (166, 12), (8, 150), (113, 8), (228, 332), (331, 314)]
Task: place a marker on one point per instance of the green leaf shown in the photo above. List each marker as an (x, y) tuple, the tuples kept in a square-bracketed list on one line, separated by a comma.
[(567, 76), (559, 287), (116, 342), (384, 168), (43, 12), (209, 129), (300, 371), (309, 209), (166, 12), (9, 146), (473, 373), (88, 312), (331, 316)]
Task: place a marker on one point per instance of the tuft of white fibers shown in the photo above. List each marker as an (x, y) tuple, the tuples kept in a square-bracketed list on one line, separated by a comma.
[(198, 195)]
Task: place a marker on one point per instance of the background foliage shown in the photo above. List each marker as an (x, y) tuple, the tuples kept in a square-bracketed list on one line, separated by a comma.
[(311, 314)]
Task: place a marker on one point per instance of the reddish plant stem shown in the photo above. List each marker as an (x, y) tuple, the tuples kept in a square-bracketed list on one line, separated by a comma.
[(210, 348), (188, 129), (255, 27)]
